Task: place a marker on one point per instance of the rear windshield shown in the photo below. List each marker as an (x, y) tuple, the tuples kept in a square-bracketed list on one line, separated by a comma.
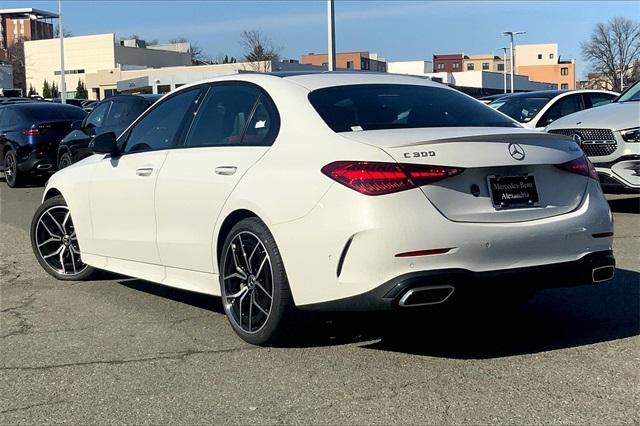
[(521, 109), (400, 106), (55, 113)]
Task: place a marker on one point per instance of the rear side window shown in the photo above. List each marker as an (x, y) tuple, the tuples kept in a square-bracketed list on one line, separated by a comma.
[(10, 118), (520, 108), (161, 127), (562, 107), (233, 115), (123, 113), (400, 106), (56, 113)]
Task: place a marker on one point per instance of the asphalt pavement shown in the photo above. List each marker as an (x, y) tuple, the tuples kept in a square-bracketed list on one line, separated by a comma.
[(120, 350)]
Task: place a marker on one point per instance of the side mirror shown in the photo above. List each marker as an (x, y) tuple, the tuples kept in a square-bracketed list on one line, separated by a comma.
[(105, 144), (76, 125)]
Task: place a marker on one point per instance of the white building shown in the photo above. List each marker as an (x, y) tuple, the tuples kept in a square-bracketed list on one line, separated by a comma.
[(488, 82), (410, 67), (89, 54)]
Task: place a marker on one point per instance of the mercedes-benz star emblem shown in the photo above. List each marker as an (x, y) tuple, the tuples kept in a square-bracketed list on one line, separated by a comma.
[(516, 151), (577, 138)]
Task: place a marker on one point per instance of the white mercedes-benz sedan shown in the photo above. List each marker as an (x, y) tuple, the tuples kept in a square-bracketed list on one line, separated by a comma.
[(326, 191)]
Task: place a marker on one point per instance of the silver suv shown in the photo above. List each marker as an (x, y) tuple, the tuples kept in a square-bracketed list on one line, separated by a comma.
[(610, 136)]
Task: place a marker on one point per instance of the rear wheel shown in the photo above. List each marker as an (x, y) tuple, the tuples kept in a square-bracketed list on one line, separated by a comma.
[(65, 161), (254, 286), (55, 244), (11, 173)]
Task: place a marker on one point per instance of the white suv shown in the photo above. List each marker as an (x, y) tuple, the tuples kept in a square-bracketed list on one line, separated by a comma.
[(610, 136)]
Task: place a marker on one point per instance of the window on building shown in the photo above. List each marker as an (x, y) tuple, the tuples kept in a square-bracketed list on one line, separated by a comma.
[(364, 64), (500, 67), (440, 66), (456, 65), (470, 67), (564, 71), (164, 88), (564, 86), (485, 65), (550, 55), (539, 55), (349, 65)]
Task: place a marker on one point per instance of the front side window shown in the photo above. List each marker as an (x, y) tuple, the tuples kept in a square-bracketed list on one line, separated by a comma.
[(97, 116), (598, 99), (161, 127), (400, 106), (121, 113), (232, 115), (632, 94), (563, 106)]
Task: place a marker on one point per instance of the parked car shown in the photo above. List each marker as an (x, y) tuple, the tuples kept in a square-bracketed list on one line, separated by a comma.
[(29, 136), (490, 98), (321, 191), (89, 105), (114, 114), (610, 136), (7, 101), (70, 101), (540, 108)]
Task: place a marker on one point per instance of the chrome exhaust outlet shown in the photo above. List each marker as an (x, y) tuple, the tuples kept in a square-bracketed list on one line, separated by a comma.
[(423, 296), (603, 273), (43, 166)]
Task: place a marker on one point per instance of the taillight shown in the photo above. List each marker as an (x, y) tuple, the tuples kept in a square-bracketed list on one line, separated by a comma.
[(31, 132), (375, 178), (581, 166)]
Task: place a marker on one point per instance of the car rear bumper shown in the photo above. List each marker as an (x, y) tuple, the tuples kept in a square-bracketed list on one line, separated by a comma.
[(445, 284), (37, 162)]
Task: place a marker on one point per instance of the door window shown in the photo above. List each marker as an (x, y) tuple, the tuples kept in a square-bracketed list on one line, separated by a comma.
[(229, 113), (598, 99), (163, 125), (121, 112), (97, 116), (564, 106)]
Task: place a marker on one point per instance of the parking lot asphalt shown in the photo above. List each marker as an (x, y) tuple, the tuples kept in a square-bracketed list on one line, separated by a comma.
[(121, 350)]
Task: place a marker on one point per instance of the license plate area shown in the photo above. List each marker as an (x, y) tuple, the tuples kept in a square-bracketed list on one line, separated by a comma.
[(511, 192)]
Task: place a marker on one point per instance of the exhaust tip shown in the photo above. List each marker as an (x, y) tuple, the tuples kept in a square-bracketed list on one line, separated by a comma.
[(423, 296), (43, 166), (603, 273)]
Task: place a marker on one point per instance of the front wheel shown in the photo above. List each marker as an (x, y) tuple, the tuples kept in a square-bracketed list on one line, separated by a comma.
[(65, 161), (254, 286), (55, 244)]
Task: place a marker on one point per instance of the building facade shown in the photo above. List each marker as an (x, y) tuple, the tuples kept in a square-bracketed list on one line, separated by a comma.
[(107, 82), (410, 67), (361, 61), (484, 62), (448, 63), (482, 83), (541, 62), (89, 54), (24, 24)]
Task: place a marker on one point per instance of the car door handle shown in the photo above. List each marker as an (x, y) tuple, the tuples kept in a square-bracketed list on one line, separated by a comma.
[(144, 171), (226, 170)]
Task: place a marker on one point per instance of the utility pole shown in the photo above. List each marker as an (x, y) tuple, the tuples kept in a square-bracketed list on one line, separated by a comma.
[(504, 68), (331, 36), (511, 34), (63, 86)]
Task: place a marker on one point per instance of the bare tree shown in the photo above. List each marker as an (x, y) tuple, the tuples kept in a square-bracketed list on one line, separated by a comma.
[(614, 49), (56, 32), (15, 57), (198, 56), (258, 49)]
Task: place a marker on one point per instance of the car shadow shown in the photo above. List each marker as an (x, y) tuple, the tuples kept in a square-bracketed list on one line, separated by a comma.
[(625, 205), (553, 319)]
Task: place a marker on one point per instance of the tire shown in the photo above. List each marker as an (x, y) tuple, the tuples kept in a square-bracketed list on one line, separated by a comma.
[(65, 161), (245, 296), (53, 242), (11, 174)]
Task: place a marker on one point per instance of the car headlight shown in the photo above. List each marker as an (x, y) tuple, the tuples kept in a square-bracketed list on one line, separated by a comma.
[(631, 135)]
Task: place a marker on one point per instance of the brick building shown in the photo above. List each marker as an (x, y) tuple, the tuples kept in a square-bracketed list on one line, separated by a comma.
[(362, 61)]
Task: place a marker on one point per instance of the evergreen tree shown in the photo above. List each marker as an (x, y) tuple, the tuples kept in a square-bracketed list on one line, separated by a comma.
[(55, 93), (46, 90), (81, 90), (32, 91)]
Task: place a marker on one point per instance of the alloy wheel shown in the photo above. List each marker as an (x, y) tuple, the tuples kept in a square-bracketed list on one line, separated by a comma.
[(247, 282), (10, 168), (56, 241)]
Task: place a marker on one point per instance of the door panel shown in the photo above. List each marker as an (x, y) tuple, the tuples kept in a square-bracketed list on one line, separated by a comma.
[(122, 206)]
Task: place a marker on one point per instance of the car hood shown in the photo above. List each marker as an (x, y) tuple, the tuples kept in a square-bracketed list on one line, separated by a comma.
[(615, 116)]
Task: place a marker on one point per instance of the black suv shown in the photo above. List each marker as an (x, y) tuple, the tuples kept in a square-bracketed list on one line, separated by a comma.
[(114, 114), (29, 136)]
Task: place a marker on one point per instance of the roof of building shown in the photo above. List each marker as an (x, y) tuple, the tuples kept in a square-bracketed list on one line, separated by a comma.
[(29, 11)]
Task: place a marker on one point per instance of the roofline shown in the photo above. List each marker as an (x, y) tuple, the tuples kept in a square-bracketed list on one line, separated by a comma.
[(29, 10)]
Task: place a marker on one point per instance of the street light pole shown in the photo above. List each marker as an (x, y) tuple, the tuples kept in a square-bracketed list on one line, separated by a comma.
[(511, 34), (504, 68), (63, 86), (331, 36)]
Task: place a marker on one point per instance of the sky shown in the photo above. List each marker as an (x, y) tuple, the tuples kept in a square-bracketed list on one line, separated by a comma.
[(396, 30)]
